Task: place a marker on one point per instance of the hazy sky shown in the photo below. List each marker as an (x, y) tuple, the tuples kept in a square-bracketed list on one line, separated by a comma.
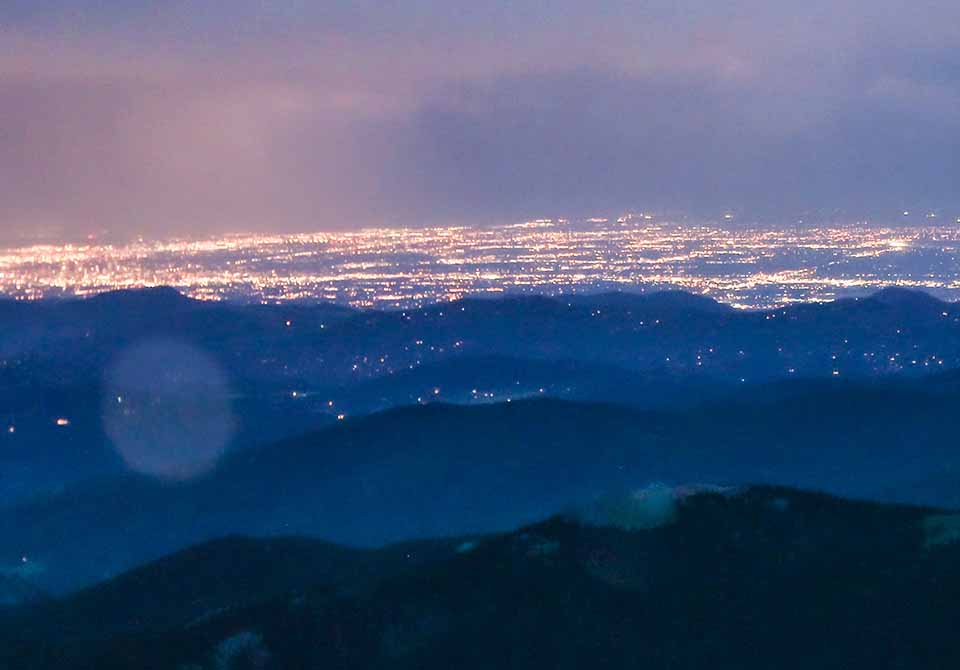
[(172, 116)]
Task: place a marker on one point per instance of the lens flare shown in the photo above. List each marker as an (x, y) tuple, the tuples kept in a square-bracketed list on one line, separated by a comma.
[(167, 409)]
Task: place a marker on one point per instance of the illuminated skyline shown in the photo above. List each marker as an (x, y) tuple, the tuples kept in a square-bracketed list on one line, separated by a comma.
[(748, 267)]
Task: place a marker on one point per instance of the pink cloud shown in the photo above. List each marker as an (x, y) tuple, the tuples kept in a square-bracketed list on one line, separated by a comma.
[(308, 126)]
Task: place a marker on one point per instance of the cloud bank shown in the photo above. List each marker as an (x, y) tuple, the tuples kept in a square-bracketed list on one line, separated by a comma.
[(169, 117)]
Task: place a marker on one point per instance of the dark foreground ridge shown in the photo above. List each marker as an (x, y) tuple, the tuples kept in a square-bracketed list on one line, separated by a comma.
[(443, 470), (760, 578)]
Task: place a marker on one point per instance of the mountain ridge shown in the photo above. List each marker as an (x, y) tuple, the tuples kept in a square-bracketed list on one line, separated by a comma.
[(565, 594), (455, 470)]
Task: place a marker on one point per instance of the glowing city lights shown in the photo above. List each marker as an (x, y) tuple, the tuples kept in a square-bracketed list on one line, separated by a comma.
[(755, 267)]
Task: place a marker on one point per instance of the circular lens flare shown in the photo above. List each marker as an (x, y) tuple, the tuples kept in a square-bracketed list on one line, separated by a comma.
[(167, 409)]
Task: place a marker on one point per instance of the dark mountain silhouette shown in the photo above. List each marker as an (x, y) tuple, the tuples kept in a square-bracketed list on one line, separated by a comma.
[(449, 470), (656, 432), (490, 379), (294, 368), (207, 580), (42, 457), (667, 301), (17, 591), (329, 346), (766, 577), (907, 299)]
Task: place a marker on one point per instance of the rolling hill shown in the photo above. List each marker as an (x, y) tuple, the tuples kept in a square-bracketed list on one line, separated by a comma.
[(283, 370), (758, 578), (452, 470)]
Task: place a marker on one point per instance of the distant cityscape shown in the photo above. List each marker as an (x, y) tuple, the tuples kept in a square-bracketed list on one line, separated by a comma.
[(745, 266)]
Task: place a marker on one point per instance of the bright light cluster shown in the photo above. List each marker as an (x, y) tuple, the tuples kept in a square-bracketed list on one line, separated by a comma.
[(750, 267)]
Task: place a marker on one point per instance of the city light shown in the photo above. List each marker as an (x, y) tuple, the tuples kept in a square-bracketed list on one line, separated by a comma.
[(750, 267)]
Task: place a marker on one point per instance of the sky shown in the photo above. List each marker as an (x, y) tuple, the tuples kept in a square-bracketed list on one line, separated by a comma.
[(167, 117)]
